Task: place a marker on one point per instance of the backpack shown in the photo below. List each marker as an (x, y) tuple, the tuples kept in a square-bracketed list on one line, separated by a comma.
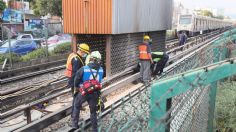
[(91, 85)]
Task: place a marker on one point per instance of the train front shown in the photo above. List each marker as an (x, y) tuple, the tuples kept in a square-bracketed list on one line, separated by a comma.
[(185, 25)]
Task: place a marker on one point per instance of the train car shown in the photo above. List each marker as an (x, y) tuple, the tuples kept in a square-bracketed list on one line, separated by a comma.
[(194, 24)]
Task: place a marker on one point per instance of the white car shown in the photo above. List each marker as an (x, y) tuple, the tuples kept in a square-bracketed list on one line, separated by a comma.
[(56, 40)]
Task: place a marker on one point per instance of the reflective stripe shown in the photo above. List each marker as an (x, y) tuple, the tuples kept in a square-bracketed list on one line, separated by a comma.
[(158, 53), (156, 59), (142, 52), (68, 72), (87, 70)]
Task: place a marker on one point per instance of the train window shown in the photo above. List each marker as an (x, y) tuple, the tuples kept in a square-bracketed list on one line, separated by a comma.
[(185, 20)]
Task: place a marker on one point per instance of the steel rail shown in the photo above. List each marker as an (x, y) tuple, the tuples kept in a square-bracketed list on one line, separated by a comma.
[(54, 117)]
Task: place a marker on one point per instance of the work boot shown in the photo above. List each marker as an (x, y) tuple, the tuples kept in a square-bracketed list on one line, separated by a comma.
[(73, 129), (146, 84), (155, 77)]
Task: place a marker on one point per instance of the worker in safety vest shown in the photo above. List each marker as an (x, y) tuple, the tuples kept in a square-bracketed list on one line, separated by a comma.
[(145, 60), (74, 62), (159, 61), (92, 71)]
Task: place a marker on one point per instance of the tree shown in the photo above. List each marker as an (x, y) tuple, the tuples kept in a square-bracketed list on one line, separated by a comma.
[(2, 6), (55, 7), (44, 7), (206, 13)]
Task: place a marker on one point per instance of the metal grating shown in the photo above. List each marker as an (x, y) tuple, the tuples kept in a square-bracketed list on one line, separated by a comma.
[(124, 49), (158, 39), (96, 43)]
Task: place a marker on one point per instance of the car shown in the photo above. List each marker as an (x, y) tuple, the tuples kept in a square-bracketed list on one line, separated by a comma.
[(25, 37), (20, 47), (56, 40)]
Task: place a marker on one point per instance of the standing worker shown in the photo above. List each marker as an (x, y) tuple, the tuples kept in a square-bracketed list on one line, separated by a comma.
[(182, 39), (145, 60), (85, 78), (74, 62), (159, 61)]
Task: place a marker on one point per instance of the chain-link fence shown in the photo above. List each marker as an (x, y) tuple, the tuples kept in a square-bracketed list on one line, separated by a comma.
[(25, 48), (181, 103)]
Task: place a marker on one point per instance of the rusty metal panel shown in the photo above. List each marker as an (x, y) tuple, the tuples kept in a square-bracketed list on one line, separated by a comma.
[(130, 16), (116, 16), (87, 16)]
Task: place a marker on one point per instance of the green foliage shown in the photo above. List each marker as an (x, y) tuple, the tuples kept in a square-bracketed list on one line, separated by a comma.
[(39, 53), (62, 49), (43, 7), (226, 106), (2, 6), (206, 13), (55, 7), (15, 58), (170, 34)]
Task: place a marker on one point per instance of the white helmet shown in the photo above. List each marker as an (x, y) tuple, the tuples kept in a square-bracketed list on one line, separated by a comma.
[(96, 55)]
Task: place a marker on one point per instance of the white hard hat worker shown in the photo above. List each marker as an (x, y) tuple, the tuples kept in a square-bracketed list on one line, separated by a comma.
[(95, 57)]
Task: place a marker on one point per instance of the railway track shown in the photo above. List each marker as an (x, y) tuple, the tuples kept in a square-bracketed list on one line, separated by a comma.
[(21, 73), (14, 93), (111, 88), (131, 93)]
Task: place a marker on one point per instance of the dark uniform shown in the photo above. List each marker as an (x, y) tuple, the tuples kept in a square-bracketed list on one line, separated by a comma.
[(182, 39), (159, 61), (83, 75), (74, 63)]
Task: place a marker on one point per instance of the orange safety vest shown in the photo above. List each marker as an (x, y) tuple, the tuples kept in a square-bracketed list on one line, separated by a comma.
[(143, 54), (68, 72)]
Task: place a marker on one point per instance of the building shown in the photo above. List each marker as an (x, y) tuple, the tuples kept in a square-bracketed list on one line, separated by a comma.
[(116, 27)]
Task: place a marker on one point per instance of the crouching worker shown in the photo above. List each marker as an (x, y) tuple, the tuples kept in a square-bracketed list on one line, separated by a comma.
[(87, 88), (159, 61)]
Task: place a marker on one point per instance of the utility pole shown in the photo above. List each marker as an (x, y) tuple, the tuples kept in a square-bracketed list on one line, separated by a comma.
[(23, 11)]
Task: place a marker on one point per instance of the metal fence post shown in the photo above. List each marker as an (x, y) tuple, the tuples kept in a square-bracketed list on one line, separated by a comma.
[(168, 107), (28, 115), (212, 99), (9, 42), (157, 112), (46, 39)]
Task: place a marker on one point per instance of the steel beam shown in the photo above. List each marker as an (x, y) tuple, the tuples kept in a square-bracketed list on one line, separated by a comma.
[(108, 55)]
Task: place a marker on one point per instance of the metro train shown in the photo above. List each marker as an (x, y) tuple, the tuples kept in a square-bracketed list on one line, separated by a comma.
[(193, 24)]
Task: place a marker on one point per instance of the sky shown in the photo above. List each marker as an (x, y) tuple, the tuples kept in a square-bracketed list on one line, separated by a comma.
[(229, 6)]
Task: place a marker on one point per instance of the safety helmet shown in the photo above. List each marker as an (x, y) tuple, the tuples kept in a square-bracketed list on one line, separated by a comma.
[(96, 55), (84, 47), (146, 37)]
